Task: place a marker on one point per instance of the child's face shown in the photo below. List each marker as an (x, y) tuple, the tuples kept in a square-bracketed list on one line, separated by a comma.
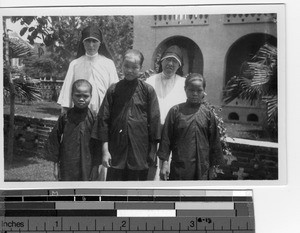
[(82, 96), (131, 67), (194, 91), (91, 46)]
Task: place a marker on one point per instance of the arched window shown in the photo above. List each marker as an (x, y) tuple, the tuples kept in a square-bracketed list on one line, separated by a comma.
[(252, 117), (192, 54), (233, 116)]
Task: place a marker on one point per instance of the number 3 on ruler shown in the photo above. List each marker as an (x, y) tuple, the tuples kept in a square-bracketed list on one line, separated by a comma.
[(192, 223)]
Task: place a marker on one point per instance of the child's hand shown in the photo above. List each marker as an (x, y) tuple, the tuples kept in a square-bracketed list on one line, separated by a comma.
[(94, 173), (152, 155), (55, 171), (214, 171), (164, 171), (106, 159)]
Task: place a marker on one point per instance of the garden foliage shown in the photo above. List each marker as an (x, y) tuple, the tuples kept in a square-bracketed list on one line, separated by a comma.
[(60, 36), (257, 82)]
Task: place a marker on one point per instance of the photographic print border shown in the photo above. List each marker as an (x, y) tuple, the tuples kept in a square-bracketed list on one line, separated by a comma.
[(279, 9)]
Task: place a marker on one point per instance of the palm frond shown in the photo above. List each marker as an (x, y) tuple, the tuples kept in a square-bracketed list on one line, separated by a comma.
[(242, 88), (257, 80), (267, 51), (272, 109), (257, 77), (19, 47), (27, 90), (232, 90), (261, 73)]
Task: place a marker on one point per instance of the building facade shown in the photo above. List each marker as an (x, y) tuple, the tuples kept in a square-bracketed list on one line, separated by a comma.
[(213, 45)]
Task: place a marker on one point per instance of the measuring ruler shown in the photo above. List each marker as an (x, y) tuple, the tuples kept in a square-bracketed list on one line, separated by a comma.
[(124, 211)]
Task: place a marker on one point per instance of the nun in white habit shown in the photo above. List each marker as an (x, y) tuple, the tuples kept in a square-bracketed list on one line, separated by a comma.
[(94, 63)]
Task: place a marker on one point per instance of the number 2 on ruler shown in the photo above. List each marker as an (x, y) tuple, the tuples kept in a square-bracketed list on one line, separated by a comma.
[(123, 224)]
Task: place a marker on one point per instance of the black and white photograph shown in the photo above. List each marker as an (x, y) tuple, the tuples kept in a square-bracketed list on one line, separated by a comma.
[(148, 95), (125, 104)]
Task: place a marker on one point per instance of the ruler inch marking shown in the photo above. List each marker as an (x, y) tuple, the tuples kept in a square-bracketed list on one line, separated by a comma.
[(130, 224)]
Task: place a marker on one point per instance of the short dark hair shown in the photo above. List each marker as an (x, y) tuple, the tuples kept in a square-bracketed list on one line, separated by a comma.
[(194, 76), (135, 52), (81, 82)]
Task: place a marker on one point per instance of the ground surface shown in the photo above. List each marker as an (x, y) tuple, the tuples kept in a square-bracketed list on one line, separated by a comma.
[(29, 168), (36, 109)]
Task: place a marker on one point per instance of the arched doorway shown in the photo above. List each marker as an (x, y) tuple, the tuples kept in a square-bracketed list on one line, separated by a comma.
[(242, 50), (192, 55)]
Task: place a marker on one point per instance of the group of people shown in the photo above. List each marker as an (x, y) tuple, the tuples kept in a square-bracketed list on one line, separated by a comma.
[(129, 129)]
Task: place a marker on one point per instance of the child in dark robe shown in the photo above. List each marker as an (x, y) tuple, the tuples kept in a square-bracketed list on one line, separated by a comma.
[(190, 132), (70, 144), (128, 124)]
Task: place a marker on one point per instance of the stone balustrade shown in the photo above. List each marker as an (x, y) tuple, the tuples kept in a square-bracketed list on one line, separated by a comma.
[(249, 18), (179, 20)]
